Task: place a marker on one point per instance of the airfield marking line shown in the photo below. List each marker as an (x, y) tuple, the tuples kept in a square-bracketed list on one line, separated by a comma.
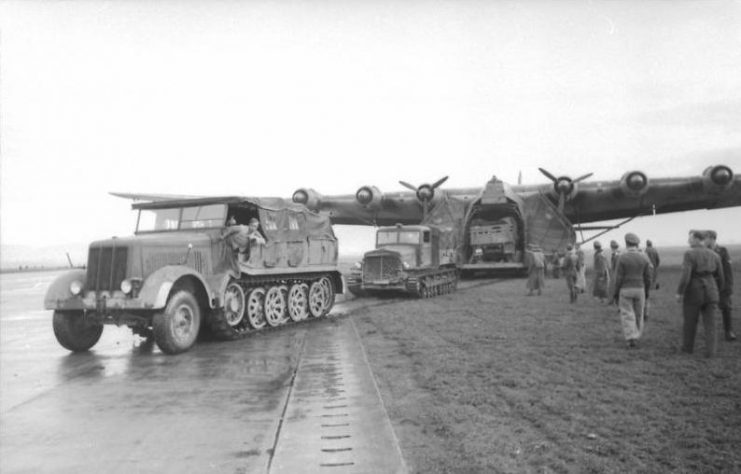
[(285, 403)]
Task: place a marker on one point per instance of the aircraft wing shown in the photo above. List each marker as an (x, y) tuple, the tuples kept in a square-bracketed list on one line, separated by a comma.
[(152, 197), (636, 194)]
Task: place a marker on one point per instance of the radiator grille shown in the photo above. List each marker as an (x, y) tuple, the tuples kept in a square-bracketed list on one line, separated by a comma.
[(106, 268), (381, 268)]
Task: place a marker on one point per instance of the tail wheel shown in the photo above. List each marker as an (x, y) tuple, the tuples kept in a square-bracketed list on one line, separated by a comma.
[(255, 305), (234, 305), (176, 328), (275, 306), (74, 331), (328, 294), (298, 302), (316, 299)]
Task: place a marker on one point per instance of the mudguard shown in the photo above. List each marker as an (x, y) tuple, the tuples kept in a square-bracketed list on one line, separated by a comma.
[(157, 286), (59, 288)]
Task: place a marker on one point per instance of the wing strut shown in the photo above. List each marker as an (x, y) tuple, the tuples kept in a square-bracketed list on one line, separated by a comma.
[(605, 229)]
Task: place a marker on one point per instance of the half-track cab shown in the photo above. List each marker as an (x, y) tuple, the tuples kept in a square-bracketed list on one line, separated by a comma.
[(415, 259), (183, 272)]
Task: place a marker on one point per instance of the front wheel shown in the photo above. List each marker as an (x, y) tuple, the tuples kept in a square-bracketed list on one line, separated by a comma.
[(176, 328), (75, 332)]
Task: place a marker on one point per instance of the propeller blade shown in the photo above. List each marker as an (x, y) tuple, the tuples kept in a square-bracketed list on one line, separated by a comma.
[(547, 174), (581, 178), (439, 182), (561, 201), (408, 186)]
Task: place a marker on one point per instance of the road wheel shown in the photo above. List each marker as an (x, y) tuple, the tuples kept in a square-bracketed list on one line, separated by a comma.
[(176, 328), (229, 322), (328, 294), (298, 302), (75, 332), (275, 306), (316, 299), (255, 308)]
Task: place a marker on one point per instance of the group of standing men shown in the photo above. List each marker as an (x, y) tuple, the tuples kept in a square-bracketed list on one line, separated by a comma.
[(627, 278), (705, 285)]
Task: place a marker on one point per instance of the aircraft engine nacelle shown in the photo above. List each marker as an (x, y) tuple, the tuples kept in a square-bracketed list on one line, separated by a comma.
[(717, 178), (307, 197), (566, 187), (369, 197), (634, 184)]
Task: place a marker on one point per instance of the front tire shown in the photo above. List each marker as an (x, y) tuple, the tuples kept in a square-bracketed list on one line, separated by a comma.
[(75, 332), (176, 328)]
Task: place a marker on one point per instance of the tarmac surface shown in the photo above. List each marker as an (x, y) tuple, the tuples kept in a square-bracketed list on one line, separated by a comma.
[(298, 399)]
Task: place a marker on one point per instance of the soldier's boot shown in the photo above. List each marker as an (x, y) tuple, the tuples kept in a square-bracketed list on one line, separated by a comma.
[(730, 336)]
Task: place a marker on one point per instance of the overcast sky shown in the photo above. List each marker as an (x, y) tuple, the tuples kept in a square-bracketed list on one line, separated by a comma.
[(262, 97)]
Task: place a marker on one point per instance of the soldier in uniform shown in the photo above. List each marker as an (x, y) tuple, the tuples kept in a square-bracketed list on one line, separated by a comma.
[(702, 275), (241, 237), (535, 269), (614, 253), (570, 271), (653, 257), (632, 281), (726, 290), (601, 273), (581, 276)]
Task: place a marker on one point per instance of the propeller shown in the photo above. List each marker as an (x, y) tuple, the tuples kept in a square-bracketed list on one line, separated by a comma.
[(563, 185), (425, 192)]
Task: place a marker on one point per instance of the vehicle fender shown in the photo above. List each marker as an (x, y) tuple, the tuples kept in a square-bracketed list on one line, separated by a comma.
[(157, 286), (59, 288)]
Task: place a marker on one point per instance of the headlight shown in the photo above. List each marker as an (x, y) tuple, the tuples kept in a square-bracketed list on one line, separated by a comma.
[(126, 286), (75, 287), (405, 265)]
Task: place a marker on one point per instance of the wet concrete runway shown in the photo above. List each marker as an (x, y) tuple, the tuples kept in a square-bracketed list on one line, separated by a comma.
[(298, 399)]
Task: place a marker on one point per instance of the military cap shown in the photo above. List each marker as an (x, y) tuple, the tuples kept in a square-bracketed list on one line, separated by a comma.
[(614, 244), (648, 242), (569, 247), (711, 234), (597, 245), (631, 238), (254, 221)]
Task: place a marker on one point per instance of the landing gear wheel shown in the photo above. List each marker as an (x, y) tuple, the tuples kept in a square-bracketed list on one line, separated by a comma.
[(176, 328), (328, 294), (298, 302), (234, 305), (255, 305), (275, 306), (316, 299), (75, 332)]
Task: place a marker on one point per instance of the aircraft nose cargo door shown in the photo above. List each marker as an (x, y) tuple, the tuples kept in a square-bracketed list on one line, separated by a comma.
[(546, 226)]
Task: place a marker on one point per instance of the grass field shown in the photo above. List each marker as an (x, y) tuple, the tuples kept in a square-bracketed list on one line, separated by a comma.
[(489, 380)]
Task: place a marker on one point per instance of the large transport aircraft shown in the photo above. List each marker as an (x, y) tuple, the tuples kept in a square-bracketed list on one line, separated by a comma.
[(498, 221)]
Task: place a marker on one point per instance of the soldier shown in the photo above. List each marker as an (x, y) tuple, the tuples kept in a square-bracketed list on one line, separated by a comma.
[(241, 237), (653, 257), (570, 271), (581, 268), (614, 253), (702, 275), (632, 281), (535, 269), (601, 273), (726, 290)]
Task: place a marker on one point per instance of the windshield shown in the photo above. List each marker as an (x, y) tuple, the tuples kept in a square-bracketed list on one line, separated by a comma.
[(388, 237), (157, 220)]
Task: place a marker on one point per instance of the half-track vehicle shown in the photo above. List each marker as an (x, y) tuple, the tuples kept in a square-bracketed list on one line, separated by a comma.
[(179, 274), (414, 259)]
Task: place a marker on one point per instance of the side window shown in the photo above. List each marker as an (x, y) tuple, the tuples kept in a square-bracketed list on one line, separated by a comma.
[(269, 223), (293, 223), (426, 237)]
